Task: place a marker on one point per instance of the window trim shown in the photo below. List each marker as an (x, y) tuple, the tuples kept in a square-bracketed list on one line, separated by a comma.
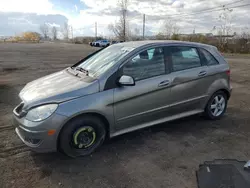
[(205, 59), (167, 71), (171, 63)]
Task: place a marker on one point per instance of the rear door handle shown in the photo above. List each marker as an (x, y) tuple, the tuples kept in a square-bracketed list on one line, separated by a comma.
[(164, 83), (202, 73)]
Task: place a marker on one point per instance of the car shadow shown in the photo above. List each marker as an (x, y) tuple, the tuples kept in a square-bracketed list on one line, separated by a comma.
[(118, 150)]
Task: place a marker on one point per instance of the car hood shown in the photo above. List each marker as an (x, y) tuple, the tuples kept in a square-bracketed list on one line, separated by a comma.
[(57, 87)]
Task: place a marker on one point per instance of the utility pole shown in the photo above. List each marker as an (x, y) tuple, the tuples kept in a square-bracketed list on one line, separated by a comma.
[(72, 34), (95, 30), (143, 27), (124, 24)]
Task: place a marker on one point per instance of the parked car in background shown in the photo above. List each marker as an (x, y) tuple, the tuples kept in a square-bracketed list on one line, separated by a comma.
[(114, 42), (95, 43), (104, 43), (119, 89), (101, 43)]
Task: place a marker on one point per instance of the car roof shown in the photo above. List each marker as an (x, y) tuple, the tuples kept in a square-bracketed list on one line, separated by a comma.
[(137, 44)]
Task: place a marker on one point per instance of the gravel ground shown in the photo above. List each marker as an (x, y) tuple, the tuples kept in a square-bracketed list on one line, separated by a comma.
[(165, 155)]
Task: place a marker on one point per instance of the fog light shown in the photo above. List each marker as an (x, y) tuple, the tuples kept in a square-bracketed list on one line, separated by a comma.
[(33, 140)]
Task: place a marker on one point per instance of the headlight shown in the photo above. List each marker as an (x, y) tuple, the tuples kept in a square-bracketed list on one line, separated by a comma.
[(42, 112)]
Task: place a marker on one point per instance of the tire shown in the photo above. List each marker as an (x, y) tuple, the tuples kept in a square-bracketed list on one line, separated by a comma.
[(73, 140), (97, 45), (213, 104)]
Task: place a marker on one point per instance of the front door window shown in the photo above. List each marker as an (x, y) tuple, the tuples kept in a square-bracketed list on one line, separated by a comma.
[(146, 64)]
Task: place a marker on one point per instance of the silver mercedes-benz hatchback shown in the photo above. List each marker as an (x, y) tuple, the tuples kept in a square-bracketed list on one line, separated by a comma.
[(118, 89)]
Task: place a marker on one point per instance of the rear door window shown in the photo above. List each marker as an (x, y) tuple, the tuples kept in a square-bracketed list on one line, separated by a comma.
[(184, 58)]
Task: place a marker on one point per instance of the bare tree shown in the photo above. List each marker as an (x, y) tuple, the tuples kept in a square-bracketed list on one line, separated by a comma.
[(160, 36), (225, 27), (176, 30), (66, 31), (226, 21), (134, 34), (120, 28), (116, 30), (245, 32), (170, 28), (44, 30), (54, 32)]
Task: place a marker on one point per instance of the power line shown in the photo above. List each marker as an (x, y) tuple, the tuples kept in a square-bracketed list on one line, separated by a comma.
[(195, 13), (238, 6), (213, 9), (233, 2)]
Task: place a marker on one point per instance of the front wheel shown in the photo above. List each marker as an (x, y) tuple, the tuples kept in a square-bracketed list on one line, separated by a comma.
[(216, 106), (82, 136)]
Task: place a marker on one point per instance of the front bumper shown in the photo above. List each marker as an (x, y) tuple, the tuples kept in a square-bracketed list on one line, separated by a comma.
[(35, 134)]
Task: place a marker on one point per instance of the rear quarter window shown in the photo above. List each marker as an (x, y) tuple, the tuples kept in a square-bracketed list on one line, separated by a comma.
[(209, 58)]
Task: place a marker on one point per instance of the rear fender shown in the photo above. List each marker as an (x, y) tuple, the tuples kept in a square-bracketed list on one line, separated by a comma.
[(220, 84)]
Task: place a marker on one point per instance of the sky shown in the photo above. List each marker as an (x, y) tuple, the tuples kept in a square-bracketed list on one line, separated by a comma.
[(17, 16)]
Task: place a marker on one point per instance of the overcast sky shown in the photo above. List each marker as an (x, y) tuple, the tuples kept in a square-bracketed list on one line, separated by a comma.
[(17, 16)]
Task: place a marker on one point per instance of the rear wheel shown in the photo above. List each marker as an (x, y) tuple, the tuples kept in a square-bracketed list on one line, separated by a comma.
[(82, 136), (216, 106)]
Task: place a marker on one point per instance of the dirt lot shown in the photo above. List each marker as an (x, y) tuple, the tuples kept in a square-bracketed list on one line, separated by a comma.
[(165, 155)]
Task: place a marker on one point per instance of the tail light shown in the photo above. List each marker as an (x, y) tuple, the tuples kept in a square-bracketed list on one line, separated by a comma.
[(228, 73)]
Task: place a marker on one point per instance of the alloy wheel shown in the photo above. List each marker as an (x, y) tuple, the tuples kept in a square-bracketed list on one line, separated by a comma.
[(218, 105)]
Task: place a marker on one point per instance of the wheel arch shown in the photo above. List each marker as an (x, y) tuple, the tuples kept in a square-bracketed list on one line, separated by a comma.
[(213, 91), (226, 92), (93, 114), (219, 85)]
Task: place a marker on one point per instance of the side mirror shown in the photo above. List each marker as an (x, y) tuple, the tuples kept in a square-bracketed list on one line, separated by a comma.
[(126, 81)]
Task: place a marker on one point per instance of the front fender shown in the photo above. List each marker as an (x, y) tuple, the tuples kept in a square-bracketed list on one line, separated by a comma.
[(99, 103)]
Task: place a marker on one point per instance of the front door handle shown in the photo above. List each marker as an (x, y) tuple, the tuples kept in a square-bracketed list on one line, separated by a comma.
[(164, 83), (202, 73)]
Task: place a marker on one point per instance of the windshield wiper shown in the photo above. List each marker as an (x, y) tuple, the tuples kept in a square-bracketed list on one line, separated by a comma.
[(82, 70)]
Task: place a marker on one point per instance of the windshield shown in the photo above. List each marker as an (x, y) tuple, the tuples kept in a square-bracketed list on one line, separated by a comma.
[(103, 60)]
